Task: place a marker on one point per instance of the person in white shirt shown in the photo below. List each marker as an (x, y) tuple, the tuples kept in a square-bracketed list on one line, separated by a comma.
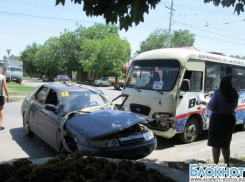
[(3, 85)]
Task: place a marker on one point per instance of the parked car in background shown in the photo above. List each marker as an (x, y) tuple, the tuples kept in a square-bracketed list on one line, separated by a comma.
[(62, 78), (80, 118), (104, 81)]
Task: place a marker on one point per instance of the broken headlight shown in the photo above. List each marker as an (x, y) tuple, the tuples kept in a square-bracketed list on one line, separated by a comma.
[(148, 135), (104, 143)]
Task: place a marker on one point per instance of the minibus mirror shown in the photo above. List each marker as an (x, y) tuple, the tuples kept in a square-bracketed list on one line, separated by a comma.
[(185, 86)]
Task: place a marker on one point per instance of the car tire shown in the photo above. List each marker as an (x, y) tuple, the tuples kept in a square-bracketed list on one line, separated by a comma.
[(190, 132), (26, 127), (71, 145), (100, 85)]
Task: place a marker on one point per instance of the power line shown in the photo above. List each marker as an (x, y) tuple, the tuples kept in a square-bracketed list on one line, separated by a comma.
[(209, 31), (41, 5), (220, 40), (46, 17), (199, 9)]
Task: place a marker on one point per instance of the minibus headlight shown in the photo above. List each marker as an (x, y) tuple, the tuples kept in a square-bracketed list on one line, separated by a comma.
[(161, 116)]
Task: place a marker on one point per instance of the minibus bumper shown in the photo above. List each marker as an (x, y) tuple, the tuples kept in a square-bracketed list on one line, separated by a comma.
[(166, 134)]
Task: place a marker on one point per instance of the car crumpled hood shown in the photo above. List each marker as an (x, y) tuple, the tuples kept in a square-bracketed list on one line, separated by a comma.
[(101, 123)]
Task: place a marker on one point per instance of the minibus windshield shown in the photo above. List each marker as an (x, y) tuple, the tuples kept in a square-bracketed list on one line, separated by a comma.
[(15, 69), (153, 74)]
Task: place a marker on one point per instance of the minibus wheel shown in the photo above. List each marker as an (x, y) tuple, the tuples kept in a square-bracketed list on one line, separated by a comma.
[(191, 131), (242, 126)]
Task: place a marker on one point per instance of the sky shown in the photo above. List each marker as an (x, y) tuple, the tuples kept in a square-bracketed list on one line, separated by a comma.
[(216, 29)]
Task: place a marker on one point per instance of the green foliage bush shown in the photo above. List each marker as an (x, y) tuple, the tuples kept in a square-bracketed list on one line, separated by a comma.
[(75, 168)]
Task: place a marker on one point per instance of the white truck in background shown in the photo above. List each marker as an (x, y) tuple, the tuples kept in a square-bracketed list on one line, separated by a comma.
[(13, 70)]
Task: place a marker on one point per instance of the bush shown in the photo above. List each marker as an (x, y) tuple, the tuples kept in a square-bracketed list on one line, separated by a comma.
[(76, 168)]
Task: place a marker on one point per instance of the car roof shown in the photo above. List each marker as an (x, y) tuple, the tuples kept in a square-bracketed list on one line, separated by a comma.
[(64, 87)]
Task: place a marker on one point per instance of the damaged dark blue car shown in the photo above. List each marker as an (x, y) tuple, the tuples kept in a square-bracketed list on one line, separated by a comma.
[(80, 118)]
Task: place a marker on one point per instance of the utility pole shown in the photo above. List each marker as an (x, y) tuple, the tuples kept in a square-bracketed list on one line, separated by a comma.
[(8, 67), (170, 24)]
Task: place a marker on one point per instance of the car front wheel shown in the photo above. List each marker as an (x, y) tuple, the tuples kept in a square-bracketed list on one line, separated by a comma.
[(71, 145), (100, 85)]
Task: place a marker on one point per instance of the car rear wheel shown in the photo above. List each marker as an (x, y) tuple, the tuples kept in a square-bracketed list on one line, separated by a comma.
[(190, 132), (71, 145), (100, 85), (26, 127)]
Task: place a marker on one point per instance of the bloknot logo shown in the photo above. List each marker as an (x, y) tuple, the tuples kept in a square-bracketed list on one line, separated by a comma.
[(215, 172)]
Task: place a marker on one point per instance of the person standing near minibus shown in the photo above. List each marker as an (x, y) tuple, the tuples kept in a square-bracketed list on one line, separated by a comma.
[(3, 85), (222, 121)]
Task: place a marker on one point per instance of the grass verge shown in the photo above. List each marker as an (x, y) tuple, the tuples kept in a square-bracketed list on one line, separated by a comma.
[(18, 92)]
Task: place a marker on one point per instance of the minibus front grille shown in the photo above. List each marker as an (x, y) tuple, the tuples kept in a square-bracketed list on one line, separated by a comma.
[(140, 109)]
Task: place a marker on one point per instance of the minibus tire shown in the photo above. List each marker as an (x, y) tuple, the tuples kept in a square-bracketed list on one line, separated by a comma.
[(100, 85), (242, 126), (192, 126)]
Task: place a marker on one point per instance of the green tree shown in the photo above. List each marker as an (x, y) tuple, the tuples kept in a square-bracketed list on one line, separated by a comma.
[(28, 57), (69, 49), (182, 38), (49, 58), (128, 12), (103, 52), (237, 56), (159, 39)]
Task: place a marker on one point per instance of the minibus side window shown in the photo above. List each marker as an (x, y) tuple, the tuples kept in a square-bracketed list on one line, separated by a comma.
[(195, 78), (239, 78), (214, 73)]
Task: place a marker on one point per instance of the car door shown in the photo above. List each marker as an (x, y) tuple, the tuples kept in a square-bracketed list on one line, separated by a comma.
[(35, 107), (49, 121)]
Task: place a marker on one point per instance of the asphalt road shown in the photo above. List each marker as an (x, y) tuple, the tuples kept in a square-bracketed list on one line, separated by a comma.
[(14, 144)]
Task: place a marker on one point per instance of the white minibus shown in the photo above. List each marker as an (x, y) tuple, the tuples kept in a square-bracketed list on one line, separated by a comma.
[(164, 84)]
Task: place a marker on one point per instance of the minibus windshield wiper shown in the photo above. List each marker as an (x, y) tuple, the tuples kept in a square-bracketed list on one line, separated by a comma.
[(158, 91)]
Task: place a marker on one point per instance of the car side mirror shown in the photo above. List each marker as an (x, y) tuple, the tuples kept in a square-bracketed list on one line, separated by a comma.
[(185, 86), (50, 107)]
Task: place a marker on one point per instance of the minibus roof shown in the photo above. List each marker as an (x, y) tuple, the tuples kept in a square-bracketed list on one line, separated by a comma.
[(183, 55)]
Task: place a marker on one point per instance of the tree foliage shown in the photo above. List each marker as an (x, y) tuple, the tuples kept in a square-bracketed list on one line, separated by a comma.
[(159, 39), (182, 38), (238, 4), (237, 56), (98, 50), (128, 12), (28, 56), (103, 51)]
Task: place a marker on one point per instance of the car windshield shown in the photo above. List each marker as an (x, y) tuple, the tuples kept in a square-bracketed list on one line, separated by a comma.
[(77, 100), (153, 74)]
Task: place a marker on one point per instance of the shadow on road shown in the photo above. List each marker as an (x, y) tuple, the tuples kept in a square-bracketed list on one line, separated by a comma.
[(164, 143), (33, 146)]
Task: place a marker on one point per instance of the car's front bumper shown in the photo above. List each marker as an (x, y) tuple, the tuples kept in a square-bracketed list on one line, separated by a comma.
[(130, 152)]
